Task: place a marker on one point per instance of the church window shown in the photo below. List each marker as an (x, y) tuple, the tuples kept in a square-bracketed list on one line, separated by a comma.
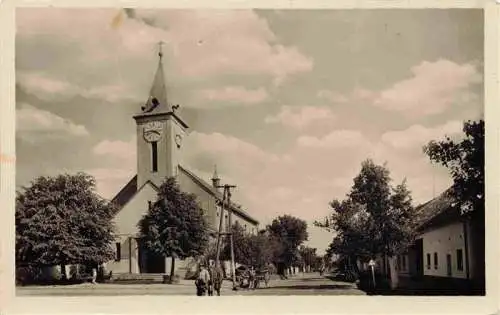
[(428, 261), (435, 260), (118, 252), (154, 155)]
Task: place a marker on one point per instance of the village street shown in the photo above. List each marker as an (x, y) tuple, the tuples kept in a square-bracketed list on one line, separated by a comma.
[(302, 284)]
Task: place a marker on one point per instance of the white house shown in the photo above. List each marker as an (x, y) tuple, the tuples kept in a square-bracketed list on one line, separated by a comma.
[(443, 250)]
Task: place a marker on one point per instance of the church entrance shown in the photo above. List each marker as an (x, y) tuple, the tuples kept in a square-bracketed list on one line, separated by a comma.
[(149, 262)]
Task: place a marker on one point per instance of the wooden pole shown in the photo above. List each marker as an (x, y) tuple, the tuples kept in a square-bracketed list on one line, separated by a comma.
[(233, 268), (219, 234)]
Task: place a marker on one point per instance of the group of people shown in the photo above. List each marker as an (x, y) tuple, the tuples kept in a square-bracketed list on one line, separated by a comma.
[(209, 279)]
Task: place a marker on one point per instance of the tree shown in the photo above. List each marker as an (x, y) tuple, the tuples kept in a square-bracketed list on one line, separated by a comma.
[(61, 220), (464, 159), (174, 225), (242, 246), (309, 256), (374, 219), (252, 250), (290, 232)]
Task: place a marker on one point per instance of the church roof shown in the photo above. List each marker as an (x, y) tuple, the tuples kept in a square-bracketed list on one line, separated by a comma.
[(210, 189), (157, 101), (130, 189), (437, 211)]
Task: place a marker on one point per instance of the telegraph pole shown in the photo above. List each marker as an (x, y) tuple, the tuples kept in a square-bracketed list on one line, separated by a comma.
[(227, 188), (219, 235)]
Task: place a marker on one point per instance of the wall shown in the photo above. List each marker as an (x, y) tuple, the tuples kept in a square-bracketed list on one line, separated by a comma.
[(208, 202), (444, 240), (205, 199), (126, 226)]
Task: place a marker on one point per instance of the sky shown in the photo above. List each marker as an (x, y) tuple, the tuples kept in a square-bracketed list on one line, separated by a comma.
[(286, 103)]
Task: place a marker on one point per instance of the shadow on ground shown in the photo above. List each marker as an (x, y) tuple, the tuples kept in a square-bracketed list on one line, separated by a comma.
[(311, 287)]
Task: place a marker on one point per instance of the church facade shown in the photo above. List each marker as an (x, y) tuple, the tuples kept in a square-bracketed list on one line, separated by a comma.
[(160, 133)]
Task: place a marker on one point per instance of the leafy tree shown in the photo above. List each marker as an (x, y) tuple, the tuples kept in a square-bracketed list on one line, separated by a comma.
[(374, 219), (464, 159), (241, 245), (61, 220), (308, 256), (255, 250), (290, 232), (175, 225)]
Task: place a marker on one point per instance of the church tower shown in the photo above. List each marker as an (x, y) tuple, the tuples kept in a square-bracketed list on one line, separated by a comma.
[(160, 132)]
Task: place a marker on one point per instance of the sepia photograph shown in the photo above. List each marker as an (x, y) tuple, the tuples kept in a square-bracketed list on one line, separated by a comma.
[(249, 152)]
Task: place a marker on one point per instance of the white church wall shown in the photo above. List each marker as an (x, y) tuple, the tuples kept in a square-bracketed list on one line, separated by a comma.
[(205, 199), (444, 241), (127, 218), (126, 230)]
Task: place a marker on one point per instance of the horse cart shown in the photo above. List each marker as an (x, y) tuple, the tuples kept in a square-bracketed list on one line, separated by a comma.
[(251, 279)]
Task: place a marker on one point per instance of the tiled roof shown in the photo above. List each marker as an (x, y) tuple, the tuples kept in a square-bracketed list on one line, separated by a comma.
[(439, 210), (126, 193), (210, 189), (130, 189)]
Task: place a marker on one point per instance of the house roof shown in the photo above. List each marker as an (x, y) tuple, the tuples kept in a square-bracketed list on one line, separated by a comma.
[(210, 189), (438, 211), (130, 189)]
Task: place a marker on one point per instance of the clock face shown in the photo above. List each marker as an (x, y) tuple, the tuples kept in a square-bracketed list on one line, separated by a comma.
[(153, 131)]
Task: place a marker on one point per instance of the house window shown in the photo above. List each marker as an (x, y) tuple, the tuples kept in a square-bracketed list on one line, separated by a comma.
[(435, 260), (154, 156), (428, 261), (118, 252), (460, 260), (150, 205)]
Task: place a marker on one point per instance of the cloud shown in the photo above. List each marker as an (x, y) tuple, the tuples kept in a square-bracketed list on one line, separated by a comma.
[(32, 123), (217, 42), (235, 94), (432, 89), (300, 117), (110, 180), (199, 45), (121, 156), (417, 136), (335, 139), (47, 88), (117, 149)]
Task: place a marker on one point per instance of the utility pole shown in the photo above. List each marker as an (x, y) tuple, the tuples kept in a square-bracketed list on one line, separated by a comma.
[(219, 235), (227, 188)]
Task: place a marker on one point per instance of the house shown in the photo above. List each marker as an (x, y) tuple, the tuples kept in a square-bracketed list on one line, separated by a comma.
[(445, 253), (160, 133)]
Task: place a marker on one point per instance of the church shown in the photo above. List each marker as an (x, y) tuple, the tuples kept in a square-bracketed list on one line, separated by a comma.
[(160, 133)]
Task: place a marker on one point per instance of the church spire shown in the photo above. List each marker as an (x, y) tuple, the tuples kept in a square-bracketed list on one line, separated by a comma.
[(157, 101), (215, 178)]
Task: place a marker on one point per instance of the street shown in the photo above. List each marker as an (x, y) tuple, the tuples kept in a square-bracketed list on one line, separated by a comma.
[(302, 284)]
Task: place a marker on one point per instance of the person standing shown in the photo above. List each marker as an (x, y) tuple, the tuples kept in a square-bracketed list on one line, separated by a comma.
[(218, 277), (202, 281)]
